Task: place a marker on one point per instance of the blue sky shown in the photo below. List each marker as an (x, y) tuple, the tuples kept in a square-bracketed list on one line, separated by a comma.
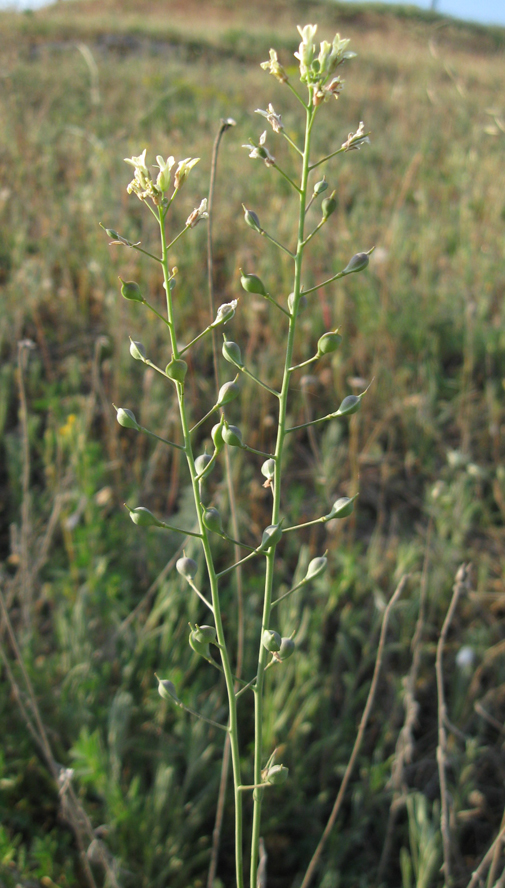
[(491, 12)]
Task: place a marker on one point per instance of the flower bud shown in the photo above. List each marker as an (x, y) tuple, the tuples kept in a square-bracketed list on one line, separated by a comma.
[(144, 518), (302, 302), (232, 435), (252, 220), (358, 262), (320, 187), (271, 640), (137, 350), (228, 392), (224, 313), (277, 775), (166, 689), (186, 567), (217, 435), (286, 649), (328, 343), (212, 520), (251, 283), (177, 369), (205, 633), (328, 207), (126, 418), (349, 405), (199, 647), (316, 567), (268, 469), (201, 463), (341, 508), (131, 290), (231, 353), (271, 536)]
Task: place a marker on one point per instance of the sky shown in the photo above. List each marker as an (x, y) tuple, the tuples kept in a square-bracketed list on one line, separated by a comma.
[(490, 12)]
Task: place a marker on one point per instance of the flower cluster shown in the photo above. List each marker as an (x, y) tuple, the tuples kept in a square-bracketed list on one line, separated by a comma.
[(142, 183)]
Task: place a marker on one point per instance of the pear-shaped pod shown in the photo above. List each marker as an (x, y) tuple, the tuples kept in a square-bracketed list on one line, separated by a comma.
[(137, 350), (271, 640), (342, 507), (328, 343), (349, 405), (277, 775), (144, 518), (177, 369), (187, 568), (228, 392), (131, 290), (232, 435), (358, 262), (166, 689), (231, 353), (251, 283), (286, 649), (126, 418), (271, 536), (316, 567), (212, 520)]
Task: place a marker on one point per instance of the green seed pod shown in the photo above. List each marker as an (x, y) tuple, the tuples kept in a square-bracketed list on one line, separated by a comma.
[(328, 343), (187, 568), (131, 290), (225, 313), (349, 405), (271, 640), (328, 207), (320, 187), (205, 634), (144, 518), (201, 463), (126, 418), (177, 369), (277, 775), (251, 283), (342, 507), (232, 435), (166, 689), (316, 567), (228, 392), (112, 233), (271, 536), (231, 353), (137, 350), (217, 435), (252, 220), (302, 302), (358, 262), (268, 469), (286, 649), (199, 647), (212, 520)]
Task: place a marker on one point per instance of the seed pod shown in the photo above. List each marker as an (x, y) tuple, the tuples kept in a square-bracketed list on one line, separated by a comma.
[(212, 520), (342, 507), (252, 220), (137, 350), (302, 302), (251, 283), (349, 405), (205, 633), (328, 343), (271, 536), (328, 207), (201, 463), (268, 469), (166, 689), (177, 369), (277, 775), (232, 435), (186, 567), (358, 262), (228, 392), (217, 435), (224, 313), (144, 518), (231, 353), (199, 647), (316, 567), (286, 649), (271, 640), (320, 187), (112, 233), (131, 290), (126, 418)]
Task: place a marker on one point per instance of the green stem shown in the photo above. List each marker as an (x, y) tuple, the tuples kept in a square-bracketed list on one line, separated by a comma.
[(276, 242), (288, 178), (270, 557), (327, 157), (213, 580)]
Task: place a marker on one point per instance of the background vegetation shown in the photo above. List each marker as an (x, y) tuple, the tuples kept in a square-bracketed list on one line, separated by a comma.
[(93, 601)]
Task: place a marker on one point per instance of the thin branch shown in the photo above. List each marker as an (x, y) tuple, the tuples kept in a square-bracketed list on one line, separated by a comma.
[(359, 738)]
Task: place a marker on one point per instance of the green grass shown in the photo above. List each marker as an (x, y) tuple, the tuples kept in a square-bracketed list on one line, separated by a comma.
[(425, 322)]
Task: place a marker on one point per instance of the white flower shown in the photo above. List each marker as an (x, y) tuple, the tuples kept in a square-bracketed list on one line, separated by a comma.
[(198, 214), (274, 119), (165, 167), (306, 50), (183, 170), (138, 162), (273, 66), (225, 312), (355, 140), (260, 151)]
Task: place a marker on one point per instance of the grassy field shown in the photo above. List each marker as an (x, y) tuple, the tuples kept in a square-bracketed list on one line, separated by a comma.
[(93, 608)]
